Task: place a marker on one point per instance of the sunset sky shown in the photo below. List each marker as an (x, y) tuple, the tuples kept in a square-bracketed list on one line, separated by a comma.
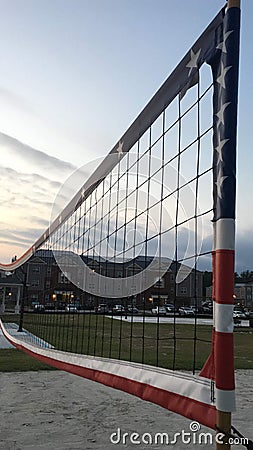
[(74, 75)]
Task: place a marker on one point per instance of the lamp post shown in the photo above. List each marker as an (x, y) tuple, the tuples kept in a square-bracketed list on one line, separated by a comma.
[(24, 295)]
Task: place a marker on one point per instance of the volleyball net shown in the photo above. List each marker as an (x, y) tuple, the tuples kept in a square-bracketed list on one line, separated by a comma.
[(114, 290)]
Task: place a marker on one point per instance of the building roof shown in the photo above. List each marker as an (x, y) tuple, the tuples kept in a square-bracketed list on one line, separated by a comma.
[(10, 280), (142, 261)]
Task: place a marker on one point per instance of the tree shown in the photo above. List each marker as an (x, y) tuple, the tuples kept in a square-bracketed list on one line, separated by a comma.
[(237, 276), (246, 275)]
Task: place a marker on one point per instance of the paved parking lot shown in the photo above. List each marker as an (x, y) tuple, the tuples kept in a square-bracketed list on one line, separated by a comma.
[(3, 342)]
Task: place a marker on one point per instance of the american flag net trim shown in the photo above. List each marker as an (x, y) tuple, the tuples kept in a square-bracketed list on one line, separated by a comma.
[(218, 46), (187, 395), (183, 77)]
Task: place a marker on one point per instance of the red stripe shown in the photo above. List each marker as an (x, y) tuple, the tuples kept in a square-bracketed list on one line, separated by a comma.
[(224, 342), (224, 276), (224, 360), (208, 370), (187, 407), (213, 275), (17, 262)]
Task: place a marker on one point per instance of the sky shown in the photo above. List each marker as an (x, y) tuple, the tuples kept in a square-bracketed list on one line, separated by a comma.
[(74, 74)]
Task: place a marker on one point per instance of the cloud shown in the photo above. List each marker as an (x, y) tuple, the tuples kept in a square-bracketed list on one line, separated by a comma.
[(20, 190), (31, 157), (35, 187), (29, 180), (16, 100), (244, 251), (12, 174), (21, 237)]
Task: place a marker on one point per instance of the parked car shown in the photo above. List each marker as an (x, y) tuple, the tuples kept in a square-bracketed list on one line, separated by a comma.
[(250, 317), (207, 308), (197, 309), (38, 308), (61, 306), (159, 310), (71, 308), (236, 320), (239, 314), (50, 306), (102, 308), (118, 309), (132, 310), (170, 308), (186, 311)]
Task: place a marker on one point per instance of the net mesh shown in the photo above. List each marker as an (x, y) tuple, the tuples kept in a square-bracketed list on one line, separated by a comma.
[(117, 282), (115, 277)]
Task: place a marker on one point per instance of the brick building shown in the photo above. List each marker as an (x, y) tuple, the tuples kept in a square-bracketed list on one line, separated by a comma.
[(46, 284)]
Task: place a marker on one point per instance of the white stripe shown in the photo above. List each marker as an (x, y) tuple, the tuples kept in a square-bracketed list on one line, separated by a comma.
[(189, 386), (224, 234), (224, 318), (225, 400)]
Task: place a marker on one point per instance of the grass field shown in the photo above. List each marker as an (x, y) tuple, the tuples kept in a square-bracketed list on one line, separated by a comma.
[(161, 345), (12, 360)]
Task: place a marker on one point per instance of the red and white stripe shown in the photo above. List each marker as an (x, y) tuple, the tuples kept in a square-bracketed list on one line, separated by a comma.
[(18, 262), (223, 270), (184, 394)]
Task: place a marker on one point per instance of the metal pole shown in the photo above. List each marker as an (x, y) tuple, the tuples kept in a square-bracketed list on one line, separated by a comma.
[(234, 3), (2, 306), (22, 306), (223, 419)]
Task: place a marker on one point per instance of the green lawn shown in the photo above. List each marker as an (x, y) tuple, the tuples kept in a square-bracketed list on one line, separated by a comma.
[(101, 336), (12, 360)]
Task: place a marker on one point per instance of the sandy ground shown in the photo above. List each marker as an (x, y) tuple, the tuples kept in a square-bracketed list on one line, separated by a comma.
[(59, 411)]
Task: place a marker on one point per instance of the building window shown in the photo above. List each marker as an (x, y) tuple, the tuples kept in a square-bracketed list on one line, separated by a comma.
[(35, 269), (62, 278), (49, 270), (35, 283), (47, 284), (183, 290)]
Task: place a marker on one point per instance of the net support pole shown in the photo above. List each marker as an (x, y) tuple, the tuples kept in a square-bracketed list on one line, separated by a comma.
[(24, 296), (223, 418), (234, 3)]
